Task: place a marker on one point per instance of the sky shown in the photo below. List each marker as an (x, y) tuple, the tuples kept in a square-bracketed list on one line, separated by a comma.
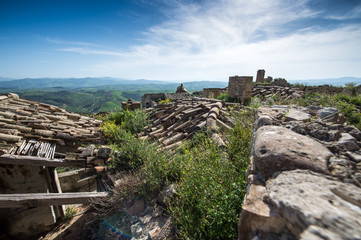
[(180, 40)]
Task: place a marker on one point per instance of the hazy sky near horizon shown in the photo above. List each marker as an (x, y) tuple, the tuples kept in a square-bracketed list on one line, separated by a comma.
[(180, 39)]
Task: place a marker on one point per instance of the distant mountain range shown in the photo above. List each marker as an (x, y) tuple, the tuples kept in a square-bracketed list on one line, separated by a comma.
[(329, 81), (76, 83), (92, 95), (124, 84)]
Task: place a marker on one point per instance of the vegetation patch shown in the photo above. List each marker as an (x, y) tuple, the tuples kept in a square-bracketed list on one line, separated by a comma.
[(210, 181)]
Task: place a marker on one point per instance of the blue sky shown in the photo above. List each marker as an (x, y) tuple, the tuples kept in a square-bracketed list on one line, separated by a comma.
[(180, 39)]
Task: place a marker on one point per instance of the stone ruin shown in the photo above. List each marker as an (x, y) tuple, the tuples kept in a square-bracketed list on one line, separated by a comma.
[(34, 139), (131, 105), (260, 76), (181, 89), (213, 92), (150, 100), (240, 87)]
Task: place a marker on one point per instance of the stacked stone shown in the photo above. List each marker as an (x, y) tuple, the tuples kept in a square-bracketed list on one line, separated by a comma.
[(304, 177), (181, 120), (22, 119), (269, 91)]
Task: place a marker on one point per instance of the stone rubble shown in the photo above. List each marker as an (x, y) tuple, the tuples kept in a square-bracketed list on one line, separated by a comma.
[(304, 176)]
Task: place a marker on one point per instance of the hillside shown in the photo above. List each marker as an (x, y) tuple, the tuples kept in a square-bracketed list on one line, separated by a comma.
[(92, 95)]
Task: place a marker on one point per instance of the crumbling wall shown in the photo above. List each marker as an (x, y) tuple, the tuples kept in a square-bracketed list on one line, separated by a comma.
[(212, 92), (304, 177), (148, 99)]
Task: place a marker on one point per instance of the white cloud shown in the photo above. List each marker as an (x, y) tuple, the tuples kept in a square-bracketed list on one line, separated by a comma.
[(87, 51), (228, 37), (64, 42)]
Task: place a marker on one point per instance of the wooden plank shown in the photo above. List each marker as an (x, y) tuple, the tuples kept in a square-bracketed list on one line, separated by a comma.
[(47, 199), (39, 161)]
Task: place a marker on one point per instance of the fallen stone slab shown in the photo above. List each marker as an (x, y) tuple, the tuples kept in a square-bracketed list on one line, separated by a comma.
[(280, 149), (297, 115), (316, 205)]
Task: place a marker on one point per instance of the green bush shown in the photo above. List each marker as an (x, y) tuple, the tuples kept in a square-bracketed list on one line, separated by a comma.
[(212, 183), (159, 170), (129, 153), (210, 194), (239, 139), (132, 121)]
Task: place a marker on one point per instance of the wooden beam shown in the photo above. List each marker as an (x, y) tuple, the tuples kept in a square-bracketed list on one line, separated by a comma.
[(47, 199), (39, 161)]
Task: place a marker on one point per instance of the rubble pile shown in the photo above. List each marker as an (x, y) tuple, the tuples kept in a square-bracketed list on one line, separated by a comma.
[(180, 120), (22, 119), (268, 91)]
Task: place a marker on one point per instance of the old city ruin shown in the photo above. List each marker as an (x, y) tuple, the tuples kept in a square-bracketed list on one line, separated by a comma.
[(304, 176)]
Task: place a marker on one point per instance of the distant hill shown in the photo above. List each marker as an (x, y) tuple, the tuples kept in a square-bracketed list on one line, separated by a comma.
[(103, 83), (101, 98), (72, 83), (92, 95), (2, 79), (329, 81)]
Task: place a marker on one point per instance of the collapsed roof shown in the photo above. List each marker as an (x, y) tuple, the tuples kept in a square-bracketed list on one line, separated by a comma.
[(22, 119)]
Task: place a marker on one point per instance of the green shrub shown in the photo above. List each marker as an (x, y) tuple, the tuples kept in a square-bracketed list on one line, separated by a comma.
[(112, 132), (210, 194), (69, 213), (239, 139), (160, 169), (212, 183), (129, 152), (223, 96), (132, 121)]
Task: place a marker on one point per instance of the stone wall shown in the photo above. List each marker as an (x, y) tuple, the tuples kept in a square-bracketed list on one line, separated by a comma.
[(240, 87), (212, 92), (304, 177), (149, 99)]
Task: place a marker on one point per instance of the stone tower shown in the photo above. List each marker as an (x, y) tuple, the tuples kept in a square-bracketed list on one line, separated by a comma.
[(260, 76)]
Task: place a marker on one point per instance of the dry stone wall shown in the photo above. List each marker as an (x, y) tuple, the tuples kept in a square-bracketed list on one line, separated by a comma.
[(304, 179)]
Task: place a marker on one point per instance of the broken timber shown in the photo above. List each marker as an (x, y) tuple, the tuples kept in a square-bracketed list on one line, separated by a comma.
[(39, 161), (47, 199)]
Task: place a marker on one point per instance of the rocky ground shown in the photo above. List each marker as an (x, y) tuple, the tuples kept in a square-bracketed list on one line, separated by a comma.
[(304, 178)]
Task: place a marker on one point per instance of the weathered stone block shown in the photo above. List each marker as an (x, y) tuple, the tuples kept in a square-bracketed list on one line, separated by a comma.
[(315, 204), (280, 149)]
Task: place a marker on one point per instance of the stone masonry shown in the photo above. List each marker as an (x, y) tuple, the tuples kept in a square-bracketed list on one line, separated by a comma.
[(212, 92), (260, 76), (240, 87), (304, 177)]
